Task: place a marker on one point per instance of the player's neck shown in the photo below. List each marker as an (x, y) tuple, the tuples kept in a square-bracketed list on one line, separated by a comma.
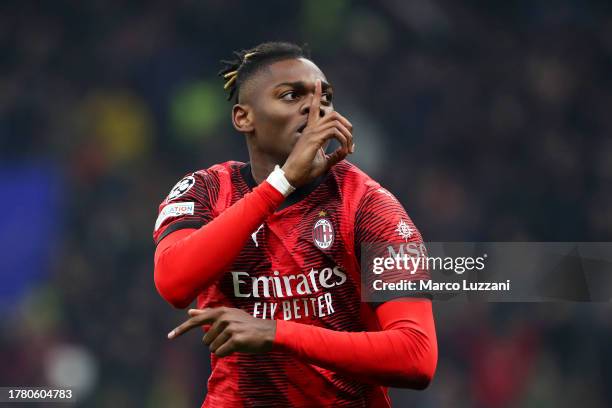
[(261, 168), (262, 164)]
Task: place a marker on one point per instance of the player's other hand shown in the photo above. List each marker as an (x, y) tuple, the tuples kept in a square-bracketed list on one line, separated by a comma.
[(308, 159), (231, 330)]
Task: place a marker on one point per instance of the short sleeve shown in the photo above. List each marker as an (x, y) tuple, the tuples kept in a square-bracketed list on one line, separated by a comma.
[(383, 229), (189, 204)]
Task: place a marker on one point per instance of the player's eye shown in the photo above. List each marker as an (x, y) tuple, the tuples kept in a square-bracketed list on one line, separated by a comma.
[(327, 97), (289, 96)]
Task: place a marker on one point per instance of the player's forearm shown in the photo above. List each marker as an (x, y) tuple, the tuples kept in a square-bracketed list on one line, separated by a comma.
[(404, 354), (185, 266)]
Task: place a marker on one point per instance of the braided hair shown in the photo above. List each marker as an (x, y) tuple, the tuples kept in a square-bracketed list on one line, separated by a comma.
[(246, 63)]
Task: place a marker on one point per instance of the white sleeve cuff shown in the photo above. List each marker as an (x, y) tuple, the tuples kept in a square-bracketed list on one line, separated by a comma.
[(279, 181)]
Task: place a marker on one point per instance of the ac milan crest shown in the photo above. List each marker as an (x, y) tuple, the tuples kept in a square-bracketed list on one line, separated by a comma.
[(323, 233)]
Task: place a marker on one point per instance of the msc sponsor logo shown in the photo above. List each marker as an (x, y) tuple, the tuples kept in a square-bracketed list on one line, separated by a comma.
[(404, 230)]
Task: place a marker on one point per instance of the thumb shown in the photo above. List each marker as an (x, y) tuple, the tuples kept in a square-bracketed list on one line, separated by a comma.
[(194, 312)]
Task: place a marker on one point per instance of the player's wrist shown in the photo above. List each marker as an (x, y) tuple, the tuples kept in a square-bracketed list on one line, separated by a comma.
[(289, 175), (284, 335), (270, 334), (279, 181)]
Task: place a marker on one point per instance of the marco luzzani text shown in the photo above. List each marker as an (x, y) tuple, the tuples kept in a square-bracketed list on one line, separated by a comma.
[(389, 271)]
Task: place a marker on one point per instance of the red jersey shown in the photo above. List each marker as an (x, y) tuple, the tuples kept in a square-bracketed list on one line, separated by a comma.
[(302, 264)]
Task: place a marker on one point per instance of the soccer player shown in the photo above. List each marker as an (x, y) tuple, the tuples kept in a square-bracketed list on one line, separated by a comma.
[(271, 251)]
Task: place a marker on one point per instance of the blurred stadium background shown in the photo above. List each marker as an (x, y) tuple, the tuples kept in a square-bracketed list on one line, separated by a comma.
[(489, 120)]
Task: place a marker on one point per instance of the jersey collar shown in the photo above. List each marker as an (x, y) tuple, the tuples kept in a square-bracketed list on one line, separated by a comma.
[(298, 195)]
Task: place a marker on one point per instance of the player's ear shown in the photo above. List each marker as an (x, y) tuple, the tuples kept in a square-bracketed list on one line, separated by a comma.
[(242, 118)]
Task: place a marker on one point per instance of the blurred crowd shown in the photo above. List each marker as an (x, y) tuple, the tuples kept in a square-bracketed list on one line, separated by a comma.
[(488, 120)]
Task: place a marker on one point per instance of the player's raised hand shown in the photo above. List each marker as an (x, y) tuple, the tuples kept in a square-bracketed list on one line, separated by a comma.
[(231, 330), (308, 159)]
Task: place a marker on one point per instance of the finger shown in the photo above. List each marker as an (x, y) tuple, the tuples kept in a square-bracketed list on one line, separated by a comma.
[(335, 124), (214, 331), (221, 339), (335, 133), (346, 122), (195, 312), (226, 349), (315, 104), (346, 132), (349, 127), (346, 127), (335, 115), (207, 316), (331, 130), (334, 158), (184, 327)]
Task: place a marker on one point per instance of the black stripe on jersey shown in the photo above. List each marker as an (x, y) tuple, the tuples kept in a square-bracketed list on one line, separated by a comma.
[(298, 195), (178, 226)]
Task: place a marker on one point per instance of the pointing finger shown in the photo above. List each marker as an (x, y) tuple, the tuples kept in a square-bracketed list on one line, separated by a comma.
[(315, 104), (206, 316)]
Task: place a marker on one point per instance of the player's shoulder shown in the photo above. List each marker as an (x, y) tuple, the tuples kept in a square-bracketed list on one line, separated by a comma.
[(359, 190), (219, 170), (209, 178), (215, 173), (352, 178)]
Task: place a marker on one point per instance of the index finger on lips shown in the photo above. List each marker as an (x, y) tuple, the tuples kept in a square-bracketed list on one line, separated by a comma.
[(315, 104)]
